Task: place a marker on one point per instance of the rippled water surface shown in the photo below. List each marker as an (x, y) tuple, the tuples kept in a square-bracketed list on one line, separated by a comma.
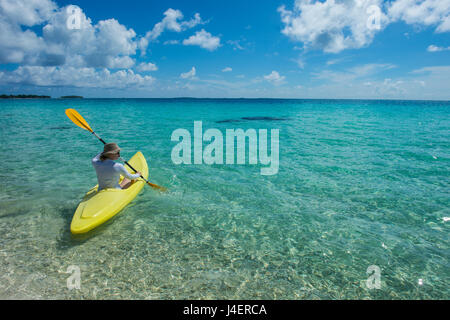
[(360, 183)]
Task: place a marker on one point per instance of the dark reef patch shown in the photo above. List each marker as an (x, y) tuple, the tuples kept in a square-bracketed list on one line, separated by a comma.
[(61, 128), (252, 119)]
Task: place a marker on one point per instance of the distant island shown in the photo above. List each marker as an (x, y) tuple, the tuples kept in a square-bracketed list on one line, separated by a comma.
[(23, 96), (71, 97)]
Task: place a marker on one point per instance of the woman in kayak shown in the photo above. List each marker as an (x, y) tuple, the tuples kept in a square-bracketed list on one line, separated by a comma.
[(109, 172)]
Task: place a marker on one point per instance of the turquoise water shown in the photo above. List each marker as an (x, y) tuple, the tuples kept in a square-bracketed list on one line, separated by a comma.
[(360, 183)]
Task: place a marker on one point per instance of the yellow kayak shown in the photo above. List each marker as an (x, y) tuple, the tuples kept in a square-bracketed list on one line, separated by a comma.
[(98, 207)]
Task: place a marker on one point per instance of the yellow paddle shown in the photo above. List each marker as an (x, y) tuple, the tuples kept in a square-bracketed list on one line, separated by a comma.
[(79, 121)]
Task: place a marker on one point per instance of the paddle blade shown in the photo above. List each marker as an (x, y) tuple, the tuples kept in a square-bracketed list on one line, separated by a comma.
[(78, 119), (155, 186)]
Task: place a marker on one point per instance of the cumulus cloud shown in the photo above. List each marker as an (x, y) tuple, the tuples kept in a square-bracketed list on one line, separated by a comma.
[(203, 39), (169, 22), (333, 26), (74, 77), (274, 77), (107, 44), (147, 67), (172, 21), (193, 22), (26, 12), (188, 75), (17, 45), (426, 12), (63, 56), (227, 69)]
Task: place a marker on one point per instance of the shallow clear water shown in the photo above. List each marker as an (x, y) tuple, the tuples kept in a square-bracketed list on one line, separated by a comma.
[(360, 183)]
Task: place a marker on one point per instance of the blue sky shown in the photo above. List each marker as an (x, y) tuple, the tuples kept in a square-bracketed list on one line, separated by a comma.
[(375, 49)]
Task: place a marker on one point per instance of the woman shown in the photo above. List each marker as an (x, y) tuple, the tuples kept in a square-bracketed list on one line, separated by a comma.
[(109, 172)]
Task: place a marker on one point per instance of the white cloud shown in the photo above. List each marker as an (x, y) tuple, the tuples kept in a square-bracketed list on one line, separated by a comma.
[(193, 22), (203, 39), (420, 84), (392, 86), (75, 77), (433, 48), (114, 39), (370, 68), (171, 21), (118, 62), (334, 61), (60, 56), (106, 44), (16, 45), (188, 75), (26, 12), (434, 83), (300, 62), (332, 26), (171, 42), (426, 12), (441, 71), (274, 77), (227, 69), (236, 44), (147, 67), (353, 73)]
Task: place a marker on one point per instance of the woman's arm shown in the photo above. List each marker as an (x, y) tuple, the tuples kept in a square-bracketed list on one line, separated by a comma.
[(126, 174)]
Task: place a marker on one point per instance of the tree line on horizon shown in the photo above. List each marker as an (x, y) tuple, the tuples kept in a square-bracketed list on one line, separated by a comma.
[(32, 96)]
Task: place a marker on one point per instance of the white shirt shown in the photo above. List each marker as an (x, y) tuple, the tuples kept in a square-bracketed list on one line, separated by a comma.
[(108, 173)]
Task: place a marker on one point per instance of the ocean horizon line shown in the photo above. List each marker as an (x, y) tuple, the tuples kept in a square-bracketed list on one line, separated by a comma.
[(241, 98)]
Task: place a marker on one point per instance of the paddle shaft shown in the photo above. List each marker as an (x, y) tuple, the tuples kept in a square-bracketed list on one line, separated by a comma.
[(100, 139)]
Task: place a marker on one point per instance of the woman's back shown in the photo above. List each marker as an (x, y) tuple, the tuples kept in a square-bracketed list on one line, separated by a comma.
[(108, 172)]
